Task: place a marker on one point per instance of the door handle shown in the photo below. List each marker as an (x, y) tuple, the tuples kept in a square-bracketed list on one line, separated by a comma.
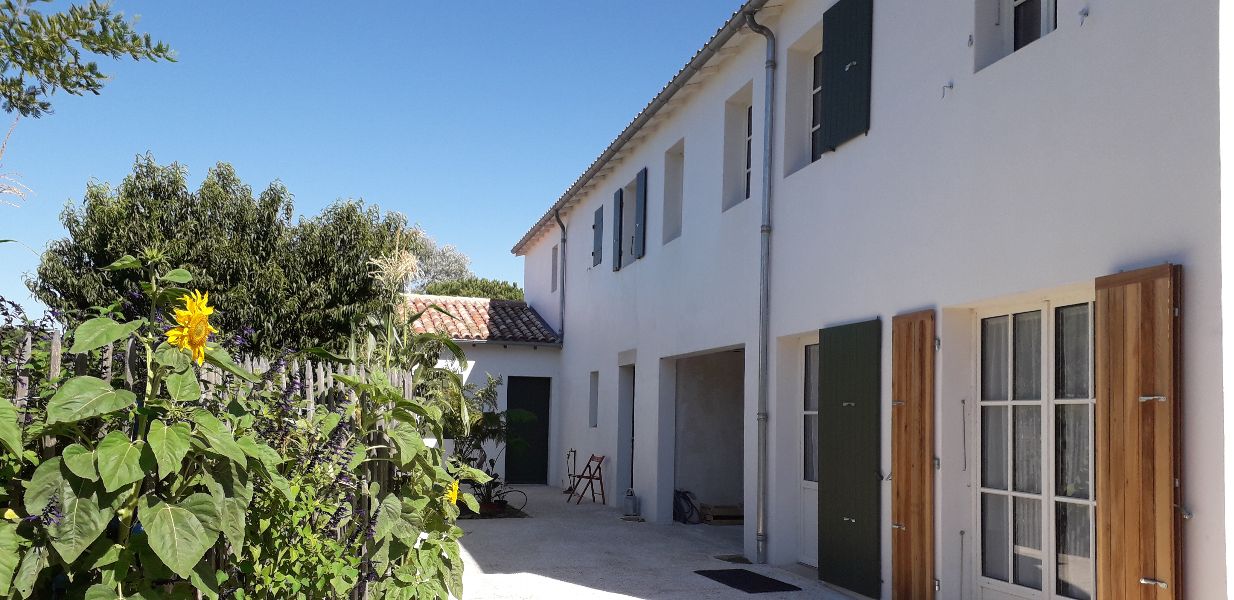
[(848, 519), (899, 526), (1156, 582), (1152, 398)]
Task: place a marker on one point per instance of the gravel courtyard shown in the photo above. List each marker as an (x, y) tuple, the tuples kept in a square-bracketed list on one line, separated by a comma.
[(587, 551)]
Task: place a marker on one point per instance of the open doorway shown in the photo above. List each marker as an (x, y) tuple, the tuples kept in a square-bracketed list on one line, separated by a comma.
[(625, 429), (709, 446)]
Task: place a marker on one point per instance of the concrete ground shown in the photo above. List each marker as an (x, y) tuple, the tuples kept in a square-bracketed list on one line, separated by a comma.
[(587, 551)]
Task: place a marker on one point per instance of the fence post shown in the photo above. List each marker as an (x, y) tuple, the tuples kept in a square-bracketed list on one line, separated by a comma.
[(53, 373)]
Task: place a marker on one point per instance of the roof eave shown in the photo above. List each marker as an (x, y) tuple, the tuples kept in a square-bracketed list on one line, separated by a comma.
[(730, 28)]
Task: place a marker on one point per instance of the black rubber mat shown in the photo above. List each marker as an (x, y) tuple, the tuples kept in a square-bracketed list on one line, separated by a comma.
[(748, 581)]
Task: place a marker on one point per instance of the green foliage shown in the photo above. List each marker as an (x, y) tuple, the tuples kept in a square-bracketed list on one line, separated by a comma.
[(476, 287), (294, 284), (41, 53), (247, 492)]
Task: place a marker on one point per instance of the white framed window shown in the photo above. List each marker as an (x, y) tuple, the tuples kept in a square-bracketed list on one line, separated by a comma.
[(749, 146), (809, 417), (1035, 490), (554, 274)]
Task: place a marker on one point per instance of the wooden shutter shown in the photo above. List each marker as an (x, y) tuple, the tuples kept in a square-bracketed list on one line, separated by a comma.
[(849, 473), (912, 455), (597, 237), (1137, 448), (640, 214), (617, 207), (848, 29)]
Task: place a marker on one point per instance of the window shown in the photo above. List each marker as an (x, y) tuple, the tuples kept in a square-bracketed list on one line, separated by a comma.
[(1005, 26), (749, 146), (593, 400), (738, 130), (816, 109), (597, 237), (630, 221), (674, 190), (809, 446), (1035, 493), (554, 274)]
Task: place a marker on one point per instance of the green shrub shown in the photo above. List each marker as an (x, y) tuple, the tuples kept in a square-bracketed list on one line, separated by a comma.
[(168, 485)]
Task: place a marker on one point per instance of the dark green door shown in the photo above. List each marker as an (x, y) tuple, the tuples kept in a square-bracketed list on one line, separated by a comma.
[(527, 451), (849, 471)]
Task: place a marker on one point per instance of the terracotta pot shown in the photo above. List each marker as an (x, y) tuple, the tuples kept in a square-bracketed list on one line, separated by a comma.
[(495, 507)]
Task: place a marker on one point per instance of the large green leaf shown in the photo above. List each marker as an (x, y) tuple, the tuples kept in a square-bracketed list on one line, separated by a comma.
[(391, 514), (10, 432), (176, 536), (80, 462), (175, 359), (207, 509), (8, 555), (183, 386), (28, 573), (177, 276), (407, 442), (119, 461), (169, 445), (267, 455), (101, 331), (128, 261), (219, 357), (43, 484), (206, 580), (233, 519), (82, 520), (218, 437), (83, 397)]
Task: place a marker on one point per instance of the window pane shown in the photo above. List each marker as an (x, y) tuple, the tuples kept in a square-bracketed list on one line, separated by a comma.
[(1027, 549), (1071, 439), (811, 379), (994, 447), (1028, 356), (1027, 23), (994, 358), (1027, 465), (1072, 352), (994, 538), (1075, 558), (810, 449)]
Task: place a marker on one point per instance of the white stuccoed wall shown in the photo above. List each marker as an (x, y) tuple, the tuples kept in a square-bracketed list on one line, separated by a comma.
[(1092, 150)]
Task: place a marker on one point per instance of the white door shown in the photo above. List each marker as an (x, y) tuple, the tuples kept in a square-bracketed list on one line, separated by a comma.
[(807, 552)]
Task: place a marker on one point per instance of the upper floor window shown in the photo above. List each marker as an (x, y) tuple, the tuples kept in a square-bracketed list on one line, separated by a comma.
[(738, 135), (674, 190), (1005, 26), (816, 109), (630, 221), (554, 274)]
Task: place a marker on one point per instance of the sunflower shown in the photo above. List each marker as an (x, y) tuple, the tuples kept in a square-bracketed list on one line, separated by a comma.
[(194, 325), (452, 492)]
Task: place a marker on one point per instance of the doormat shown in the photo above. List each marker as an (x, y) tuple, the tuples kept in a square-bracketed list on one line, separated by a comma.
[(734, 558), (748, 581)]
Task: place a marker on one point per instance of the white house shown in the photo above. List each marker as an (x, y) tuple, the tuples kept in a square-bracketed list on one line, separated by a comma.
[(932, 289), (506, 339)]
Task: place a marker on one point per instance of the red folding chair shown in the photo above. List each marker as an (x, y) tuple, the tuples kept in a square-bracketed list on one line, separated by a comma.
[(591, 474)]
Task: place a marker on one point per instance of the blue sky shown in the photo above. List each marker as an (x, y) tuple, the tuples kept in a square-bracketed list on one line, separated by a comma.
[(469, 117)]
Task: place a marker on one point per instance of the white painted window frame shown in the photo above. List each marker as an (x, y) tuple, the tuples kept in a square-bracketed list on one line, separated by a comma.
[(1048, 403), (801, 429)]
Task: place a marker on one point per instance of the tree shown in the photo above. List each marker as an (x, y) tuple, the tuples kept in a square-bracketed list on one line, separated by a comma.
[(40, 54), (293, 284), (476, 287)]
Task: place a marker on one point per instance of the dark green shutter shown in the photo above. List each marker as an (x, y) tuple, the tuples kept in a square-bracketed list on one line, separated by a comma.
[(617, 204), (849, 450), (597, 237), (640, 214), (848, 29)]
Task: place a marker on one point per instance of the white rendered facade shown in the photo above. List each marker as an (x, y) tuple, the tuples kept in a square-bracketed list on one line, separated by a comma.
[(1092, 150)]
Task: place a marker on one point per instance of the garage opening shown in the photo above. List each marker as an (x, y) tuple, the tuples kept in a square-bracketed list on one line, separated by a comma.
[(709, 441)]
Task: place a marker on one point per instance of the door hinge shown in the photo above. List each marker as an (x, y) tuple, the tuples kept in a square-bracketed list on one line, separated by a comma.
[(938, 585), (938, 344)]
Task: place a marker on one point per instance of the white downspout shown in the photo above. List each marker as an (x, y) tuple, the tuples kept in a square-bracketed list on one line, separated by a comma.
[(764, 289)]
